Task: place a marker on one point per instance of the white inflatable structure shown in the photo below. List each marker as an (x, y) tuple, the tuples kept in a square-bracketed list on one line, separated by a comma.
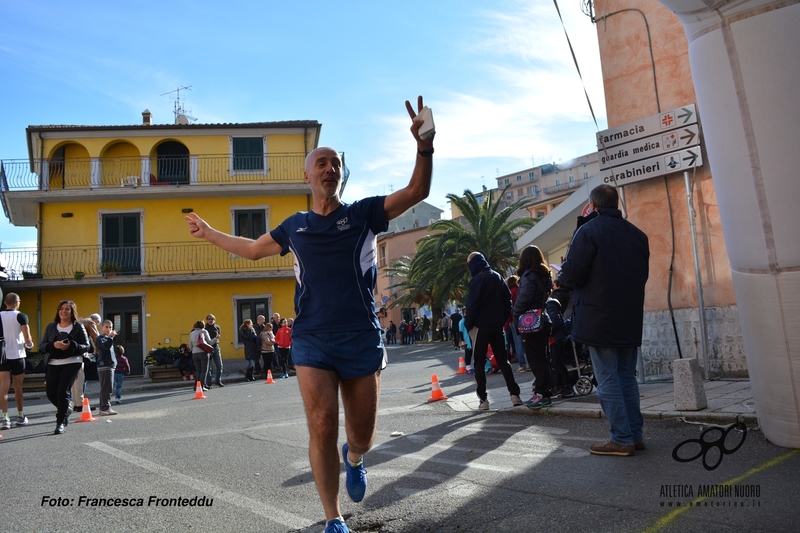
[(746, 70)]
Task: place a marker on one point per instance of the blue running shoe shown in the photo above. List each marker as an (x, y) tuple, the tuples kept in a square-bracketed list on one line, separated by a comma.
[(336, 526), (356, 477)]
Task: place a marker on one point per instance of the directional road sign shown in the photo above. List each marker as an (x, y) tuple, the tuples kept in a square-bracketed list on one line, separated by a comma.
[(653, 167), (658, 144), (646, 127)]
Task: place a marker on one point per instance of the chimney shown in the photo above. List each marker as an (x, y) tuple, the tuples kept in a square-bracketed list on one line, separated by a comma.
[(147, 116)]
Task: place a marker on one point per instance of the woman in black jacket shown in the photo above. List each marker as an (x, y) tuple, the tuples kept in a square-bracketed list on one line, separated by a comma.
[(534, 288), (65, 342), (252, 347)]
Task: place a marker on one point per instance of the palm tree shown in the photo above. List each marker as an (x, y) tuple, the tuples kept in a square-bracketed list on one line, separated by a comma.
[(438, 272)]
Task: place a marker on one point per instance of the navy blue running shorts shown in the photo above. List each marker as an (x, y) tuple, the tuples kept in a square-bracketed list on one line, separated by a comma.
[(351, 354)]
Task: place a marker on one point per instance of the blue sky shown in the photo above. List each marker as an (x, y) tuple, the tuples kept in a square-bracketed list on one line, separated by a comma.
[(498, 76)]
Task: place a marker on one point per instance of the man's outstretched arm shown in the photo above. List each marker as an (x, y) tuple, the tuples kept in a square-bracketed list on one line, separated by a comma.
[(419, 186), (247, 248)]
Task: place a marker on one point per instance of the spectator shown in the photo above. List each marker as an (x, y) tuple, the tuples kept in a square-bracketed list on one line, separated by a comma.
[(516, 338), (426, 328), (199, 356), (185, 363), (252, 347), (284, 341), (259, 327), (106, 363), (392, 333), (562, 381), (123, 369), (488, 307), (267, 345), (215, 357), (466, 343), (65, 342), (79, 386), (607, 266), (455, 318), (534, 288), (444, 326)]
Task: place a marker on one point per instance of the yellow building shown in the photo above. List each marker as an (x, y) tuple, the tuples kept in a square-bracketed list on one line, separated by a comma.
[(109, 204)]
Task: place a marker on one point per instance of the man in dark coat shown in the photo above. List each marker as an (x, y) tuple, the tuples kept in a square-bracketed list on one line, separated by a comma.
[(607, 266), (488, 307)]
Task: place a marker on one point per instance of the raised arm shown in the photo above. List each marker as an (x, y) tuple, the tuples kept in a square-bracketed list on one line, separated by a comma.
[(247, 248), (419, 186)]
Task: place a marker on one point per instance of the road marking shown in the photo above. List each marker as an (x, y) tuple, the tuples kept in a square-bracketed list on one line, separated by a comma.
[(665, 520), (268, 511)]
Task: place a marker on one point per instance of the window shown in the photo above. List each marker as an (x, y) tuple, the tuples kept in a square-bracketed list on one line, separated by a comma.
[(519, 178), (508, 195), (480, 199), (571, 178), (540, 214), (532, 190), (519, 193), (586, 175), (250, 223), (507, 181), (558, 182), (383, 255), (248, 153), (531, 176)]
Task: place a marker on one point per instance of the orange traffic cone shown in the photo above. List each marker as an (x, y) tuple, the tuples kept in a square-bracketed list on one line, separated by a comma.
[(198, 392), (269, 378), (436, 390), (86, 412), (462, 368)]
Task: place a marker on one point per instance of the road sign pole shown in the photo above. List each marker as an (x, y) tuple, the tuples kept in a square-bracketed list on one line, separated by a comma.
[(697, 276)]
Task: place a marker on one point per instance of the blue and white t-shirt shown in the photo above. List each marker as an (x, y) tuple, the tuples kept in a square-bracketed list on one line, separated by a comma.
[(335, 263)]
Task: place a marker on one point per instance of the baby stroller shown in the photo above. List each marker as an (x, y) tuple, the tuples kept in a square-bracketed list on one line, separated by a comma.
[(582, 366)]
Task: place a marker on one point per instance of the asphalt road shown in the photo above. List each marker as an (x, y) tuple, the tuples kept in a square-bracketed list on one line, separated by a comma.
[(243, 453)]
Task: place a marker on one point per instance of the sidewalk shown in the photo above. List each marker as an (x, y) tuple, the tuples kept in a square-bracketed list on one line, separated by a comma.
[(729, 401)]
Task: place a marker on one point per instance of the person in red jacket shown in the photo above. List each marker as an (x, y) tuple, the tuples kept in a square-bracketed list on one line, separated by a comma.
[(284, 341)]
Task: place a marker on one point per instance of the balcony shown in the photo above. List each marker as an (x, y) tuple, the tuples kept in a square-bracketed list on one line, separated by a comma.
[(116, 172), (182, 261), (563, 187), (24, 184)]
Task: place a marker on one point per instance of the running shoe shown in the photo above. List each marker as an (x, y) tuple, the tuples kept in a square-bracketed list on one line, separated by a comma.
[(537, 402), (355, 479), (6, 424), (336, 526), (21, 421)]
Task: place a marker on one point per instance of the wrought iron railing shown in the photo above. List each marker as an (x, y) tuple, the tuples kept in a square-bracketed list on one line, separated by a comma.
[(106, 172), (151, 259)]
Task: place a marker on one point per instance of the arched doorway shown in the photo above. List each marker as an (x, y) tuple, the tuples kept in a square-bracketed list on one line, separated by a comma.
[(172, 163)]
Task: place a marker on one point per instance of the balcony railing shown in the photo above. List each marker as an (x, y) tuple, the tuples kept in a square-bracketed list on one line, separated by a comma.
[(151, 259), (563, 187), (107, 172)]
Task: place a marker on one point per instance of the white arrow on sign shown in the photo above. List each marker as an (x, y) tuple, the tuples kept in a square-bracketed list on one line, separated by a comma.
[(647, 126), (649, 147), (654, 167)]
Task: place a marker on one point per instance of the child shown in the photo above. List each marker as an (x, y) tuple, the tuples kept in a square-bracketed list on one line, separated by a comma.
[(106, 363), (185, 363), (119, 373)]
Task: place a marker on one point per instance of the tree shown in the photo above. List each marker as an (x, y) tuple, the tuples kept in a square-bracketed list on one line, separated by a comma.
[(438, 271)]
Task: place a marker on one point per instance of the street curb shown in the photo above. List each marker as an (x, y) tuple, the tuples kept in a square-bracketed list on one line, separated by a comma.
[(713, 418)]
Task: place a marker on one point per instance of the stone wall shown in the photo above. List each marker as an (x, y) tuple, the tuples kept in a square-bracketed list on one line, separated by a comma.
[(726, 350)]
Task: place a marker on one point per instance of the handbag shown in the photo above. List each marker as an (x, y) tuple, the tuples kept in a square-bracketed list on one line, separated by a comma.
[(530, 321), (203, 345)]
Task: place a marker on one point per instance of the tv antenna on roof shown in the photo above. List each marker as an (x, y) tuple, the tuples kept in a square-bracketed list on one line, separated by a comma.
[(181, 116)]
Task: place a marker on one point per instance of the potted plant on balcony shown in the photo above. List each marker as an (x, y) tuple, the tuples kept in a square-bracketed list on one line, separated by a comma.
[(79, 275), (31, 275), (110, 268)]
